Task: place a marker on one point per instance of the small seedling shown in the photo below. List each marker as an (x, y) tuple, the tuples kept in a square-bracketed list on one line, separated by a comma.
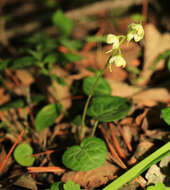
[(23, 155)]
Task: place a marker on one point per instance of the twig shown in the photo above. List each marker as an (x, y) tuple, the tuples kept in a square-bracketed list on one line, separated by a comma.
[(54, 169), (11, 150), (42, 153), (114, 153), (145, 10), (127, 143), (115, 142)]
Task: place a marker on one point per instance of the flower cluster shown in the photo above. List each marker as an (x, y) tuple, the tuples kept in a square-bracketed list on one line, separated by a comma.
[(135, 31)]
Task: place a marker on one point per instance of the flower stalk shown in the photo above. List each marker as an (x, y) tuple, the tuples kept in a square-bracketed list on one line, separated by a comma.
[(136, 32)]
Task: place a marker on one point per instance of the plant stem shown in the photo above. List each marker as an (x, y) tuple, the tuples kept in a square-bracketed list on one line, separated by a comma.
[(94, 128), (139, 168), (82, 130)]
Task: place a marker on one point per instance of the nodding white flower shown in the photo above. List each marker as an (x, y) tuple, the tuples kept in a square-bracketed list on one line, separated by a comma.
[(118, 60), (113, 39), (135, 32)]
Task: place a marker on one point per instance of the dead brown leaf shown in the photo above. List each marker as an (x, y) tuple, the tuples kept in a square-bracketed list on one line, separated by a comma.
[(92, 178), (122, 89), (155, 44), (24, 76), (26, 181), (4, 98), (143, 147), (151, 97), (62, 93)]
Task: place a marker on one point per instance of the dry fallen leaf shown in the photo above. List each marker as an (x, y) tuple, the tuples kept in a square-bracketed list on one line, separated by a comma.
[(25, 77), (151, 97), (4, 98), (155, 44), (143, 147), (26, 181), (154, 175), (92, 178), (62, 93), (122, 89)]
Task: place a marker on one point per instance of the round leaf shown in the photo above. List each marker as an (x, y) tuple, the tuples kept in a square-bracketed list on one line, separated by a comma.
[(108, 108), (102, 87), (22, 155), (47, 116), (89, 155), (166, 115)]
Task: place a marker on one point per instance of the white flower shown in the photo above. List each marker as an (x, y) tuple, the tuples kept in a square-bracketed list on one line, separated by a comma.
[(118, 60), (113, 39), (135, 32)]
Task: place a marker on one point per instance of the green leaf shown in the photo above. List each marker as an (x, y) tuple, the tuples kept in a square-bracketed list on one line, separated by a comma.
[(96, 38), (59, 80), (165, 113), (56, 186), (4, 64), (77, 120), (108, 108), (37, 98), (133, 69), (89, 155), (15, 104), (23, 62), (62, 23), (71, 44), (72, 57), (51, 58), (102, 87), (22, 155), (158, 186), (42, 42), (162, 56), (47, 116), (168, 64), (70, 185), (37, 55), (138, 17)]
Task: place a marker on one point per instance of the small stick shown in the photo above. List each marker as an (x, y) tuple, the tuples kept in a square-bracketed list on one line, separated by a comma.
[(42, 153), (18, 84), (145, 10), (54, 169), (116, 158), (115, 142), (11, 150), (129, 146)]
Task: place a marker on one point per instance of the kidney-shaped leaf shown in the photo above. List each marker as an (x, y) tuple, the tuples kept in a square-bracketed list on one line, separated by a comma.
[(47, 116), (166, 115), (108, 108), (102, 87), (89, 155), (22, 155)]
